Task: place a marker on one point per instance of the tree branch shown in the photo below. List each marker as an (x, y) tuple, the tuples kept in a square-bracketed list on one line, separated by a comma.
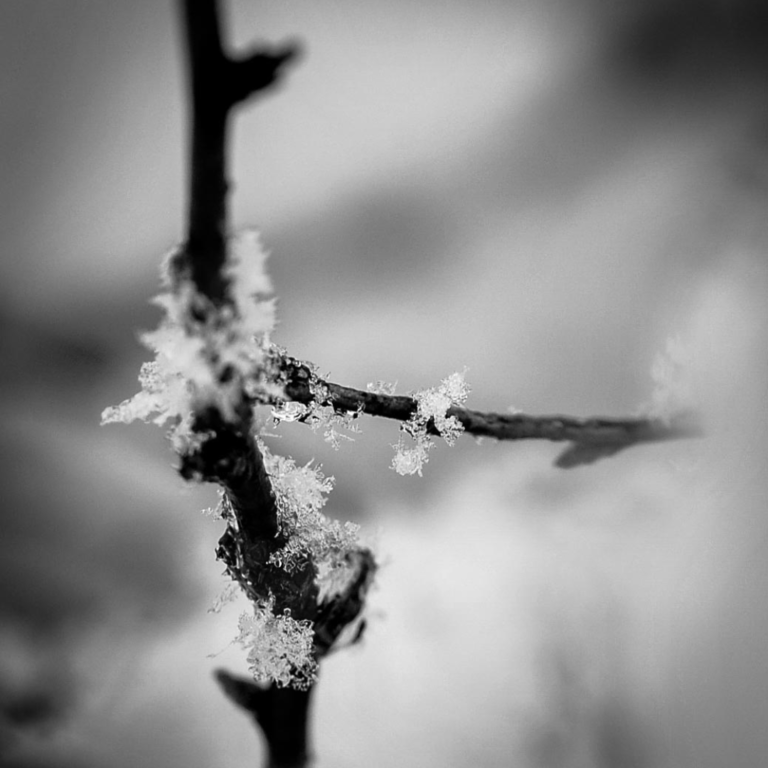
[(591, 438), (281, 713), (206, 221), (217, 83), (229, 454)]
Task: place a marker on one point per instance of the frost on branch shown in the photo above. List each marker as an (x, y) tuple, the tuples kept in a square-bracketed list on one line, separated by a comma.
[(431, 409), (305, 574), (382, 387), (280, 648), (205, 355), (300, 493), (319, 413), (227, 595)]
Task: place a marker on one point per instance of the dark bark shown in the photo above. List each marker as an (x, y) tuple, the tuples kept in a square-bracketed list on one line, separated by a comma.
[(216, 83), (229, 454), (281, 713)]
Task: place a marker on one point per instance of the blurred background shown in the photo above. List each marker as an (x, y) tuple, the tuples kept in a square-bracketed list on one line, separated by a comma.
[(541, 191)]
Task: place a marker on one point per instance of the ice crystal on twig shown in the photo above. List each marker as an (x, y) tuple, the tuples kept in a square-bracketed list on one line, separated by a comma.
[(432, 407), (289, 411), (380, 387), (410, 460), (326, 418), (205, 355), (228, 594), (300, 494), (280, 648), (319, 413), (222, 510)]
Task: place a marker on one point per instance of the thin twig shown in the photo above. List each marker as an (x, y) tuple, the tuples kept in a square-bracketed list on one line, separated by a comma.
[(592, 438)]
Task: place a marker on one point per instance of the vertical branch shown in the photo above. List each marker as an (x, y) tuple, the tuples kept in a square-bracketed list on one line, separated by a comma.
[(217, 83), (207, 213), (230, 455), (281, 713)]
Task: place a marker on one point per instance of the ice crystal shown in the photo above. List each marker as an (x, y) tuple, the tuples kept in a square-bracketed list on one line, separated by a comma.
[(322, 414), (673, 388), (289, 411), (331, 422), (249, 281), (228, 594), (280, 648), (319, 414), (222, 510), (301, 488), (205, 355), (432, 407), (300, 494), (456, 387), (380, 387), (410, 460)]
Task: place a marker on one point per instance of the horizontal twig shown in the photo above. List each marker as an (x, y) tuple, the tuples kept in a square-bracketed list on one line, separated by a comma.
[(592, 438)]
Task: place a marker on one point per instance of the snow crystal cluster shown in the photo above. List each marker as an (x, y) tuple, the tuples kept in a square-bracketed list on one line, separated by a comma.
[(319, 414), (301, 494), (205, 355), (431, 408), (280, 648)]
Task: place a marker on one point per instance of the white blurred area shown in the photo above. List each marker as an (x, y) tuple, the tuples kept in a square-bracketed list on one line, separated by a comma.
[(542, 192)]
